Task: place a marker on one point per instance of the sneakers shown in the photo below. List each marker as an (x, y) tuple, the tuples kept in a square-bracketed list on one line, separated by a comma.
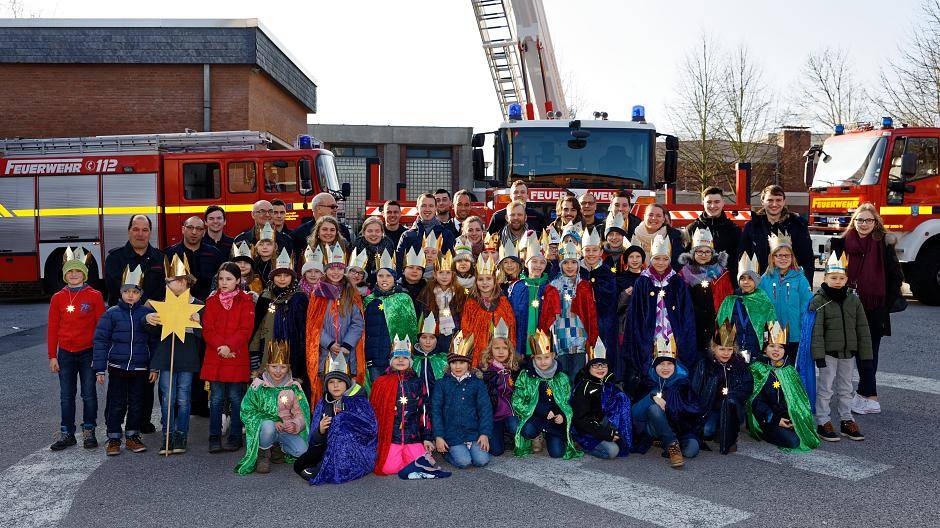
[(113, 447), (263, 464), (215, 444), (65, 440), (827, 433), (232, 444), (88, 439), (166, 448), (863, 405), (179, 443), (675, 455), (537, 444), (849, 429), (135, 444)]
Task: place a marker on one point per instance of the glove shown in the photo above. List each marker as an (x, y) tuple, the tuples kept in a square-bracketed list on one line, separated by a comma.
[(821, 363)]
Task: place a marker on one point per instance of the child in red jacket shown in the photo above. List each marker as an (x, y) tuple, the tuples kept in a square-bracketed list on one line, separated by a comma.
[(73, 314), (227, 323)]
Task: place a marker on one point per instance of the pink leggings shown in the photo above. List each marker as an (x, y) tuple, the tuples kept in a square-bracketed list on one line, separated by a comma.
[(400, 455)]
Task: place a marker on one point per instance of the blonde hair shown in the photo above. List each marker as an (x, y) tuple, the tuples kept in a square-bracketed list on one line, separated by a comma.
[(314, 239), (879, 232), (487, 355)]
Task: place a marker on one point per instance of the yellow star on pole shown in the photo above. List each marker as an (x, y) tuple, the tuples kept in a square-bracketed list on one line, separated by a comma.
[(175, 313)]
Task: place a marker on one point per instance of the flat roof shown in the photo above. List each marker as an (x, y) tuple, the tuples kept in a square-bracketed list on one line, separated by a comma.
[(155, 41)]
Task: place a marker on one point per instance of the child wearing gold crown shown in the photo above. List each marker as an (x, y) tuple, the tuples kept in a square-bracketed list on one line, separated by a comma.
[(186, 363), (540, 399), (388, 311), (748, 308), (840, 332), (461, 413), (74, 312), (723, 385), (778, 409), (485, 306), (443, 298), (705, 272), (601, 422), (786, 285), (276, 414), (500, 366)]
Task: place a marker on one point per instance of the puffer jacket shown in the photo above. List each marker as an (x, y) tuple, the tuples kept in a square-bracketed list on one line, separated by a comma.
[(790, 296), (840, 330), (378, 342), (120, 339)]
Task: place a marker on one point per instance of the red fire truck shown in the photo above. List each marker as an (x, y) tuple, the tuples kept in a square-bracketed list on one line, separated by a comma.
[(897, 170), (63, 192)]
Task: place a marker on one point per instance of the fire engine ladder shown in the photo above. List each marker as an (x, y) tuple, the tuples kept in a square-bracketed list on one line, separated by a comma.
[(497, 27), (185, 142)]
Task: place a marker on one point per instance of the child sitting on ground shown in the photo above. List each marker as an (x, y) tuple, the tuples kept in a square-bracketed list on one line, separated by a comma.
[(602, 423)]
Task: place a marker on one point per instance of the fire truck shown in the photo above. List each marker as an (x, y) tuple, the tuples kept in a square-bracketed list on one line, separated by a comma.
[(67, 192), (898, 170)]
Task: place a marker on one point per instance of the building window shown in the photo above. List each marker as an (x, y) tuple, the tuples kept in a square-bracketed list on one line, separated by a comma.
[(202, 181), (280, 176), (427, 169), (432, 152), (356, 151), (242, 177)]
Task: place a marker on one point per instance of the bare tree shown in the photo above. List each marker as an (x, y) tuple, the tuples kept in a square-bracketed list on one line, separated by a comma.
[(911, 85), (18, 9), (697, 112), (829, 91), (574, 95)]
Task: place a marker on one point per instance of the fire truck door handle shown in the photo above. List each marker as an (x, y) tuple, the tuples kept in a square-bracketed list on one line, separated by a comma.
[(68, 237)]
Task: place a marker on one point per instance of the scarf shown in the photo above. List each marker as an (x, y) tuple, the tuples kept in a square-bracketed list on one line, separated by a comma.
[(547, 374), (866, 269), (835, 294), (327, 290), (226, 298), (467, 282), (533, 286), (445, 319), (645, 238), (694, 273), (307, 287)]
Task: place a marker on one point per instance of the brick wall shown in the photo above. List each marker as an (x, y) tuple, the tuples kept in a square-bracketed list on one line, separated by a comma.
[(271, 108)]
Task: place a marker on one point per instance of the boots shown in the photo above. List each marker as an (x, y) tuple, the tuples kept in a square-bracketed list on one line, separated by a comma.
[(537, 444), (675, 455), (88, 439), (179, 443), (263, 464), (64, 440), (277, 455), (167, 442)]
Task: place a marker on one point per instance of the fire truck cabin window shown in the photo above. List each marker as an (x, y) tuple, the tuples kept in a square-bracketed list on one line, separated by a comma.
[(242, 177), (927, 150), (280, 179), (202, 181)]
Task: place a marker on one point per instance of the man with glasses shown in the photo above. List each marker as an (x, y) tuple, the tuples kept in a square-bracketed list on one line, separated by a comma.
[(774, 217), (262, 212), (204, 259), (724, 231), (588, 207), (323, 204)]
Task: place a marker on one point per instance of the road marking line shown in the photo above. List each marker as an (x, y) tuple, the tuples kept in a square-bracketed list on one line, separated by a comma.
[(906, 382), (38, 490), (817, 461), (641, 501)]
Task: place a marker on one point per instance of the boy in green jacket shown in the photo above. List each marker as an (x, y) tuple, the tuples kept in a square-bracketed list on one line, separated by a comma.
[(840, 333)]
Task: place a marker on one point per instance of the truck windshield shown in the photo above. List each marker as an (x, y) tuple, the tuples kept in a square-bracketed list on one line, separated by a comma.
[(326, 171), (850, 161), (610, 153)]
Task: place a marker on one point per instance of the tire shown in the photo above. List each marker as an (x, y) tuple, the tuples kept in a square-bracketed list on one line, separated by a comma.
[(925, 276)]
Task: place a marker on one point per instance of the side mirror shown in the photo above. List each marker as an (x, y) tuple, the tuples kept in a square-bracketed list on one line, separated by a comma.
[(908, 165), (346, 189), (306, 181), (671, 159), (809, 169), (478, 140), (479, 164), (577, 144)]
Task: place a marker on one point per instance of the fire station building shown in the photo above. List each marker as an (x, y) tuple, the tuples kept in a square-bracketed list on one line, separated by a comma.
[(86, 77)]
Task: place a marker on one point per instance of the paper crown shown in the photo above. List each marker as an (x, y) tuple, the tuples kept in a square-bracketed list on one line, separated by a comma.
[(779, 240), (572, 230), (540, 343), (486, 264), (590, 237), (74, 260), (429, 324), (336, 364), (132, 277), (726, 335), (837, 264), (660, 246), (385, 261), (313, 259), (530, 246), (336, 256), (283, 263), (615, 222), (747, 265), (664, 349), (463, 248), (702, 237), (415, 258), (241, 251), (501, 329), (776, 334), (461, 347), (569, 251), (507, 250), (598, 351), (176, 267), (278, 352), (551, 236), (445, 260), (491, 242), (359, 259), (431, 241), (266, 232), (401, 347)]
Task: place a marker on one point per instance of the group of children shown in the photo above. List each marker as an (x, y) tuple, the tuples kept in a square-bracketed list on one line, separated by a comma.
[(566, 342)]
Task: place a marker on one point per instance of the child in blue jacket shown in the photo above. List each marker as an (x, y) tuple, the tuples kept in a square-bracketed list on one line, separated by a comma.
[(789, 291), (122, 350)]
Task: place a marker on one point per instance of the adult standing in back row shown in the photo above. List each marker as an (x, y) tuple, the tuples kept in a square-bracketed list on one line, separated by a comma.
[(519, 192), (725, 233), (774, 217)]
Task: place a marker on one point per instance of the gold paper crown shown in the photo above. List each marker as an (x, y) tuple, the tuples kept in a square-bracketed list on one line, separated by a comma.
[(776, 334), (530, 247), (461, 347), (501, 329), (598, 351), (241, 250), (491, 242), (540, 343), (266, 232), (507, 250), (726, 335), (278, 352), (283, 262), (386, 260), (660, 246), (429, 324), (359, 259), (486, 264), (569, 251), (132, 277), (432, 241), (665, 349), (703, 238), (445, 260), (415, 258), (616, 221), (837, 264), (590, 237), (748, 264), (176, 267), (779, 240)]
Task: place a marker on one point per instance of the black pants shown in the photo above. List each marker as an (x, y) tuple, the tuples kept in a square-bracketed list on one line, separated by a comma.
[(146, 403), (866, 376), (125, 398), (311, 459)]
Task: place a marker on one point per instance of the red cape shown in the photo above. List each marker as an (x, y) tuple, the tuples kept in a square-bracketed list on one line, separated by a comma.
[(316, 311), (382, 398)]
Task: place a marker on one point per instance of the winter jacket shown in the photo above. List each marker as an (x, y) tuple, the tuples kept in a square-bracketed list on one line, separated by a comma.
[(754, 240), (120, 341), (841, 329), (770, 405), (893, 279), (185, 353), (683, 409), (410, 421), (151, 264), (374, 252), (378, 337), (203, 264), (586, 404), (790, 295), (224, 245), (726, 235), (710, 376), (414, 237), (231, 328), (461, 410), (73, 331)]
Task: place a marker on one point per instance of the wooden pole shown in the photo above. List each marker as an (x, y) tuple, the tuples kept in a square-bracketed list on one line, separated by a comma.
[(170, 407)]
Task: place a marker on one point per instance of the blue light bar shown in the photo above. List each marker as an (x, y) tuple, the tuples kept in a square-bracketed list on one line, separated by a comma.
[(304, 142), (515, 112), (887, 122), (840, 129), (638, 113)]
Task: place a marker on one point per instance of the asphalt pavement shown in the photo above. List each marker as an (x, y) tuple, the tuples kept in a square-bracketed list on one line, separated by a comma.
[(891, 478)]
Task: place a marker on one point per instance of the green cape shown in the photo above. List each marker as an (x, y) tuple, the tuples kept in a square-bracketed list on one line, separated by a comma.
[(524, 399), (797, 404), (760, 310), (400, 319), (438, 364), (259, 404)]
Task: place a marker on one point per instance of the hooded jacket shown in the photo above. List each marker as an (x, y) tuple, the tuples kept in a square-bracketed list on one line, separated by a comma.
[(120, 340), (790, 295)]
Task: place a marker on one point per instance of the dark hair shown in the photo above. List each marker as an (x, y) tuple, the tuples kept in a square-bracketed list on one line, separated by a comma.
[(130, 223), (278, 201), (772, 190), (422, 196), (213, 208), (625, 194), (230, 267), (443, 191), (713, 190), (391, 202)]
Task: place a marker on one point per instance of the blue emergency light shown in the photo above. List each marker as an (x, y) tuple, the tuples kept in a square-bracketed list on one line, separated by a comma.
[(638, 114), (840, 129), (887, 122), (304, 141), (515, 112)]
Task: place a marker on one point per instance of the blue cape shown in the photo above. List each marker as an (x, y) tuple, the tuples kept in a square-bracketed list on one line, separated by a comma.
[(351, 442)]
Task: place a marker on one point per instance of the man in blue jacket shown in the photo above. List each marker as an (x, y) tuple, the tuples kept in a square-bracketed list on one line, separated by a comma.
[(427, 224)]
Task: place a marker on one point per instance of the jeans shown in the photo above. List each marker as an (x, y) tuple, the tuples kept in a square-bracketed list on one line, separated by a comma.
[(461, 456), (74, 365), (125, 393), (606, 449), (182, 388), (834, 380), (500, 429), (866, 377), (781, 436), (657, 426), (554, 443), (219, 391), (290, 443)]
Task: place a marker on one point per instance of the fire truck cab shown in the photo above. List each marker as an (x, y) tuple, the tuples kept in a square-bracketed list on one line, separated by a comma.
[(67, 192), (897, 170)]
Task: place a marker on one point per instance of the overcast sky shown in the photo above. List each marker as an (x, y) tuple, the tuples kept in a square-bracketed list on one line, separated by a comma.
[(419, 62)]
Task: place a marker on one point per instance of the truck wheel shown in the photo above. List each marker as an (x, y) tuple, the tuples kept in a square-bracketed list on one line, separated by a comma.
[(925, 279)]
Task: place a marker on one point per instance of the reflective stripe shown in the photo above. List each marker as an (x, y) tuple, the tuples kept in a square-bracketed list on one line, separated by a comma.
[(188, 209), (895, 210), (4, 213)]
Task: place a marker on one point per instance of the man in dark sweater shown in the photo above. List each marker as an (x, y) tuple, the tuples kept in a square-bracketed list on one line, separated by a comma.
[(724, 231), (774, 217)]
